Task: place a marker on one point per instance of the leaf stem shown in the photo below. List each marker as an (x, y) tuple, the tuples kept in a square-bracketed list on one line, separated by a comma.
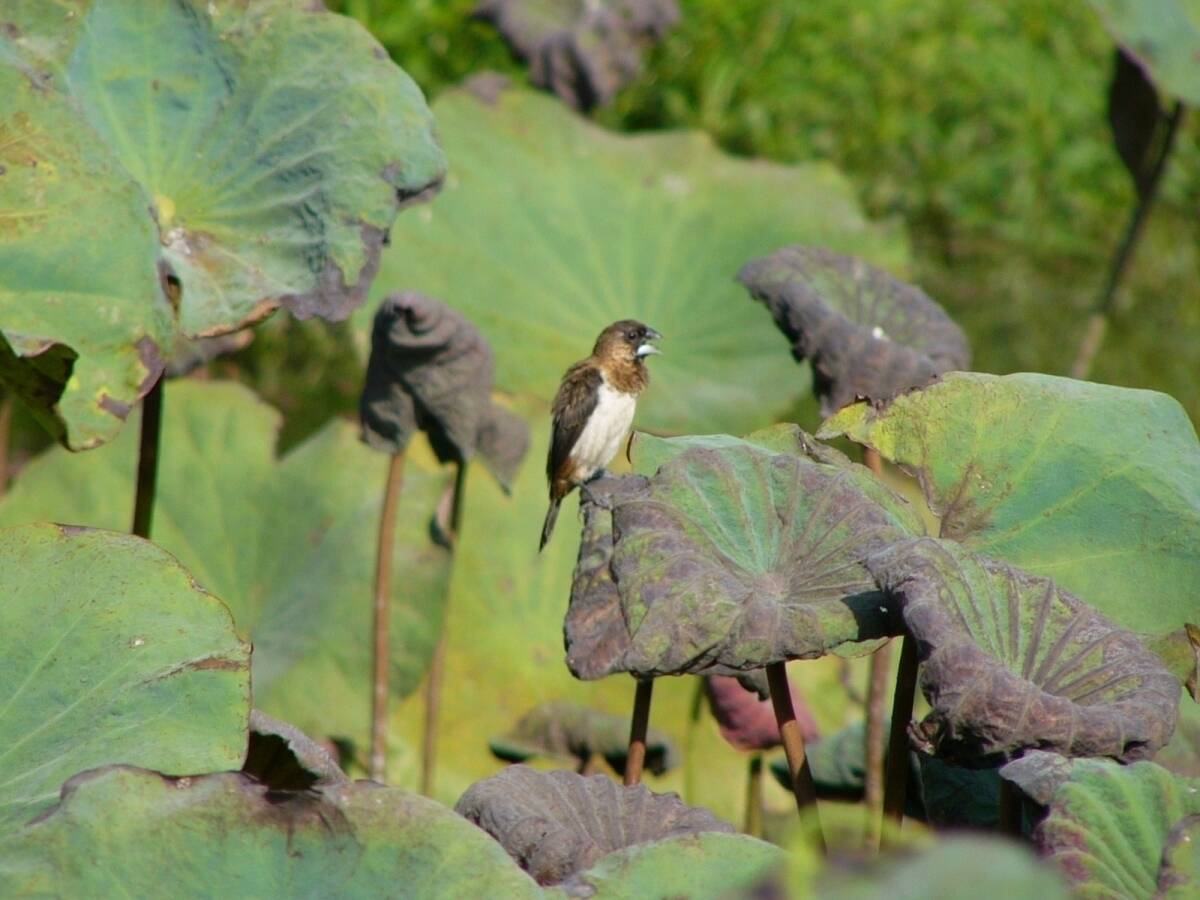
[(6, 413), (895, 780), (636, 757), (382, 617), (754, 797), (689, 741), (877, 684), (793, 746), (437, 666), (1097, 323), (147, 468)]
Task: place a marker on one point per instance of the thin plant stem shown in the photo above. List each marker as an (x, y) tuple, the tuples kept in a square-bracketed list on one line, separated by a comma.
[(381, 662), (793, 746), (754, 796), (689, 741), (587, 765), (1010, 808), (896, 777), (638, 725), (6, 413), (437, 666), (147, 468), (1097, 323), (877, 685)]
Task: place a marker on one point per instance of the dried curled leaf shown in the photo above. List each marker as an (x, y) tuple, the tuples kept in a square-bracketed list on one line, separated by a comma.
[(431, 369), (1122, 831), (562, 729), (1011, 662), (582, 50), (746, 720), (284, 758), (867, 334), (555, 824)]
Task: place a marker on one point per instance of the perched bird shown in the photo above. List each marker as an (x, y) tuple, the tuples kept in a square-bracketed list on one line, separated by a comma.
[(593, 409)]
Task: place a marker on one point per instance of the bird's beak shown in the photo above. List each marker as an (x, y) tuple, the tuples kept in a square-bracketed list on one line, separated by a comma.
[(648, 349)]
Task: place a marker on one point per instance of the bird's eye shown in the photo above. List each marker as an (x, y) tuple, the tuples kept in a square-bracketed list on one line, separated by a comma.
[(631, 335)]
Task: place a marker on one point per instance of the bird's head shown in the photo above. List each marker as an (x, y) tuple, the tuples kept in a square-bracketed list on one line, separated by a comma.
[(626, 341)]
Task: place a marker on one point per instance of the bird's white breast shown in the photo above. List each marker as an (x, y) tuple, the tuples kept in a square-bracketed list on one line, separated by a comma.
[(606, 430)]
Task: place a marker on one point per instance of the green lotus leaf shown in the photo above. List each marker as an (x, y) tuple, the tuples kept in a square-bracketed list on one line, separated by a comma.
[(953, 868), (109, 652), (1114, 830), (555, 824), (121, 831), (954, 797), (739, 557), (289, 543), (1094, 486), (1182, 754), (551, 228), (1179, 875), (1164, 36), (705, 866), (559, 729), (1011, 662), (867, 334), (185, 168)]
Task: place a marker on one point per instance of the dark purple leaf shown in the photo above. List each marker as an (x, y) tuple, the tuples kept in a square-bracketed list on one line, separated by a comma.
[(1135, 114), (747, 721)]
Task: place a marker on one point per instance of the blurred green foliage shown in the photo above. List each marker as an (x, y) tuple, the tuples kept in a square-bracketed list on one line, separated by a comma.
[(982, 125)]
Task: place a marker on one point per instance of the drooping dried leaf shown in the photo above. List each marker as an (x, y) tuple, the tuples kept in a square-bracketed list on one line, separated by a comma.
[(1010, 662), (739, 557), (1135, 114), (555, 824), (284, 758), (582, 50), (190, 192), (431, 369), (563, 729), (1114, 831), (109, 651), (1097, 487), (747, 721), (867, 334), (124, 832), (1038, 774)]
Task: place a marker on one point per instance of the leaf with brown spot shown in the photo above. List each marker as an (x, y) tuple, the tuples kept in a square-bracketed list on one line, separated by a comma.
[(284, 758), (1011, 662), (183, 169), (866, 333), (555, 824)]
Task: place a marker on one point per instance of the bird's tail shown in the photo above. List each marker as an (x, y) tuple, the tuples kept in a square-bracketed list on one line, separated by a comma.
[(548, 525)]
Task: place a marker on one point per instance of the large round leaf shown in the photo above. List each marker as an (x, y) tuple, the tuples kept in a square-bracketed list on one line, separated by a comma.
[(1112, 829), (1094, 486), (1164, 35), (1012, 662), (109, 652), (867, 333), (288, 543), (184, 168), (739, 557), (132, 833), (550, 229)]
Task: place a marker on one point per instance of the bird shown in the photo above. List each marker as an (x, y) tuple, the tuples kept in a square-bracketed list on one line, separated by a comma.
[(593, 410)]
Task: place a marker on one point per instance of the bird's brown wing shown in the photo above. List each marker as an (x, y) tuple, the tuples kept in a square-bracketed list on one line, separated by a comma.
[(573, 406)]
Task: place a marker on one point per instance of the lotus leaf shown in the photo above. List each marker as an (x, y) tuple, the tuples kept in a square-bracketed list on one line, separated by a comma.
[(561, 729), (284, 758), (555, 824), (1115, 831), (109, 651), (289, 543), (1094, 486), (1010, 662), (550, 229), (1164, 36), (582, 50), (866, 333), (747, 721), (128, 832), (1182, 754), (1179, 875), (185, 168), (431, 369), (1135, 114), (739, 557)]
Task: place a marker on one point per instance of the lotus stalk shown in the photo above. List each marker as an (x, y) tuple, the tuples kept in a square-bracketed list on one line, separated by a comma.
[(147, 467), (793, 746), (381, 660), (896, 769), (6, 413), (637, 731), (877, 683)]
